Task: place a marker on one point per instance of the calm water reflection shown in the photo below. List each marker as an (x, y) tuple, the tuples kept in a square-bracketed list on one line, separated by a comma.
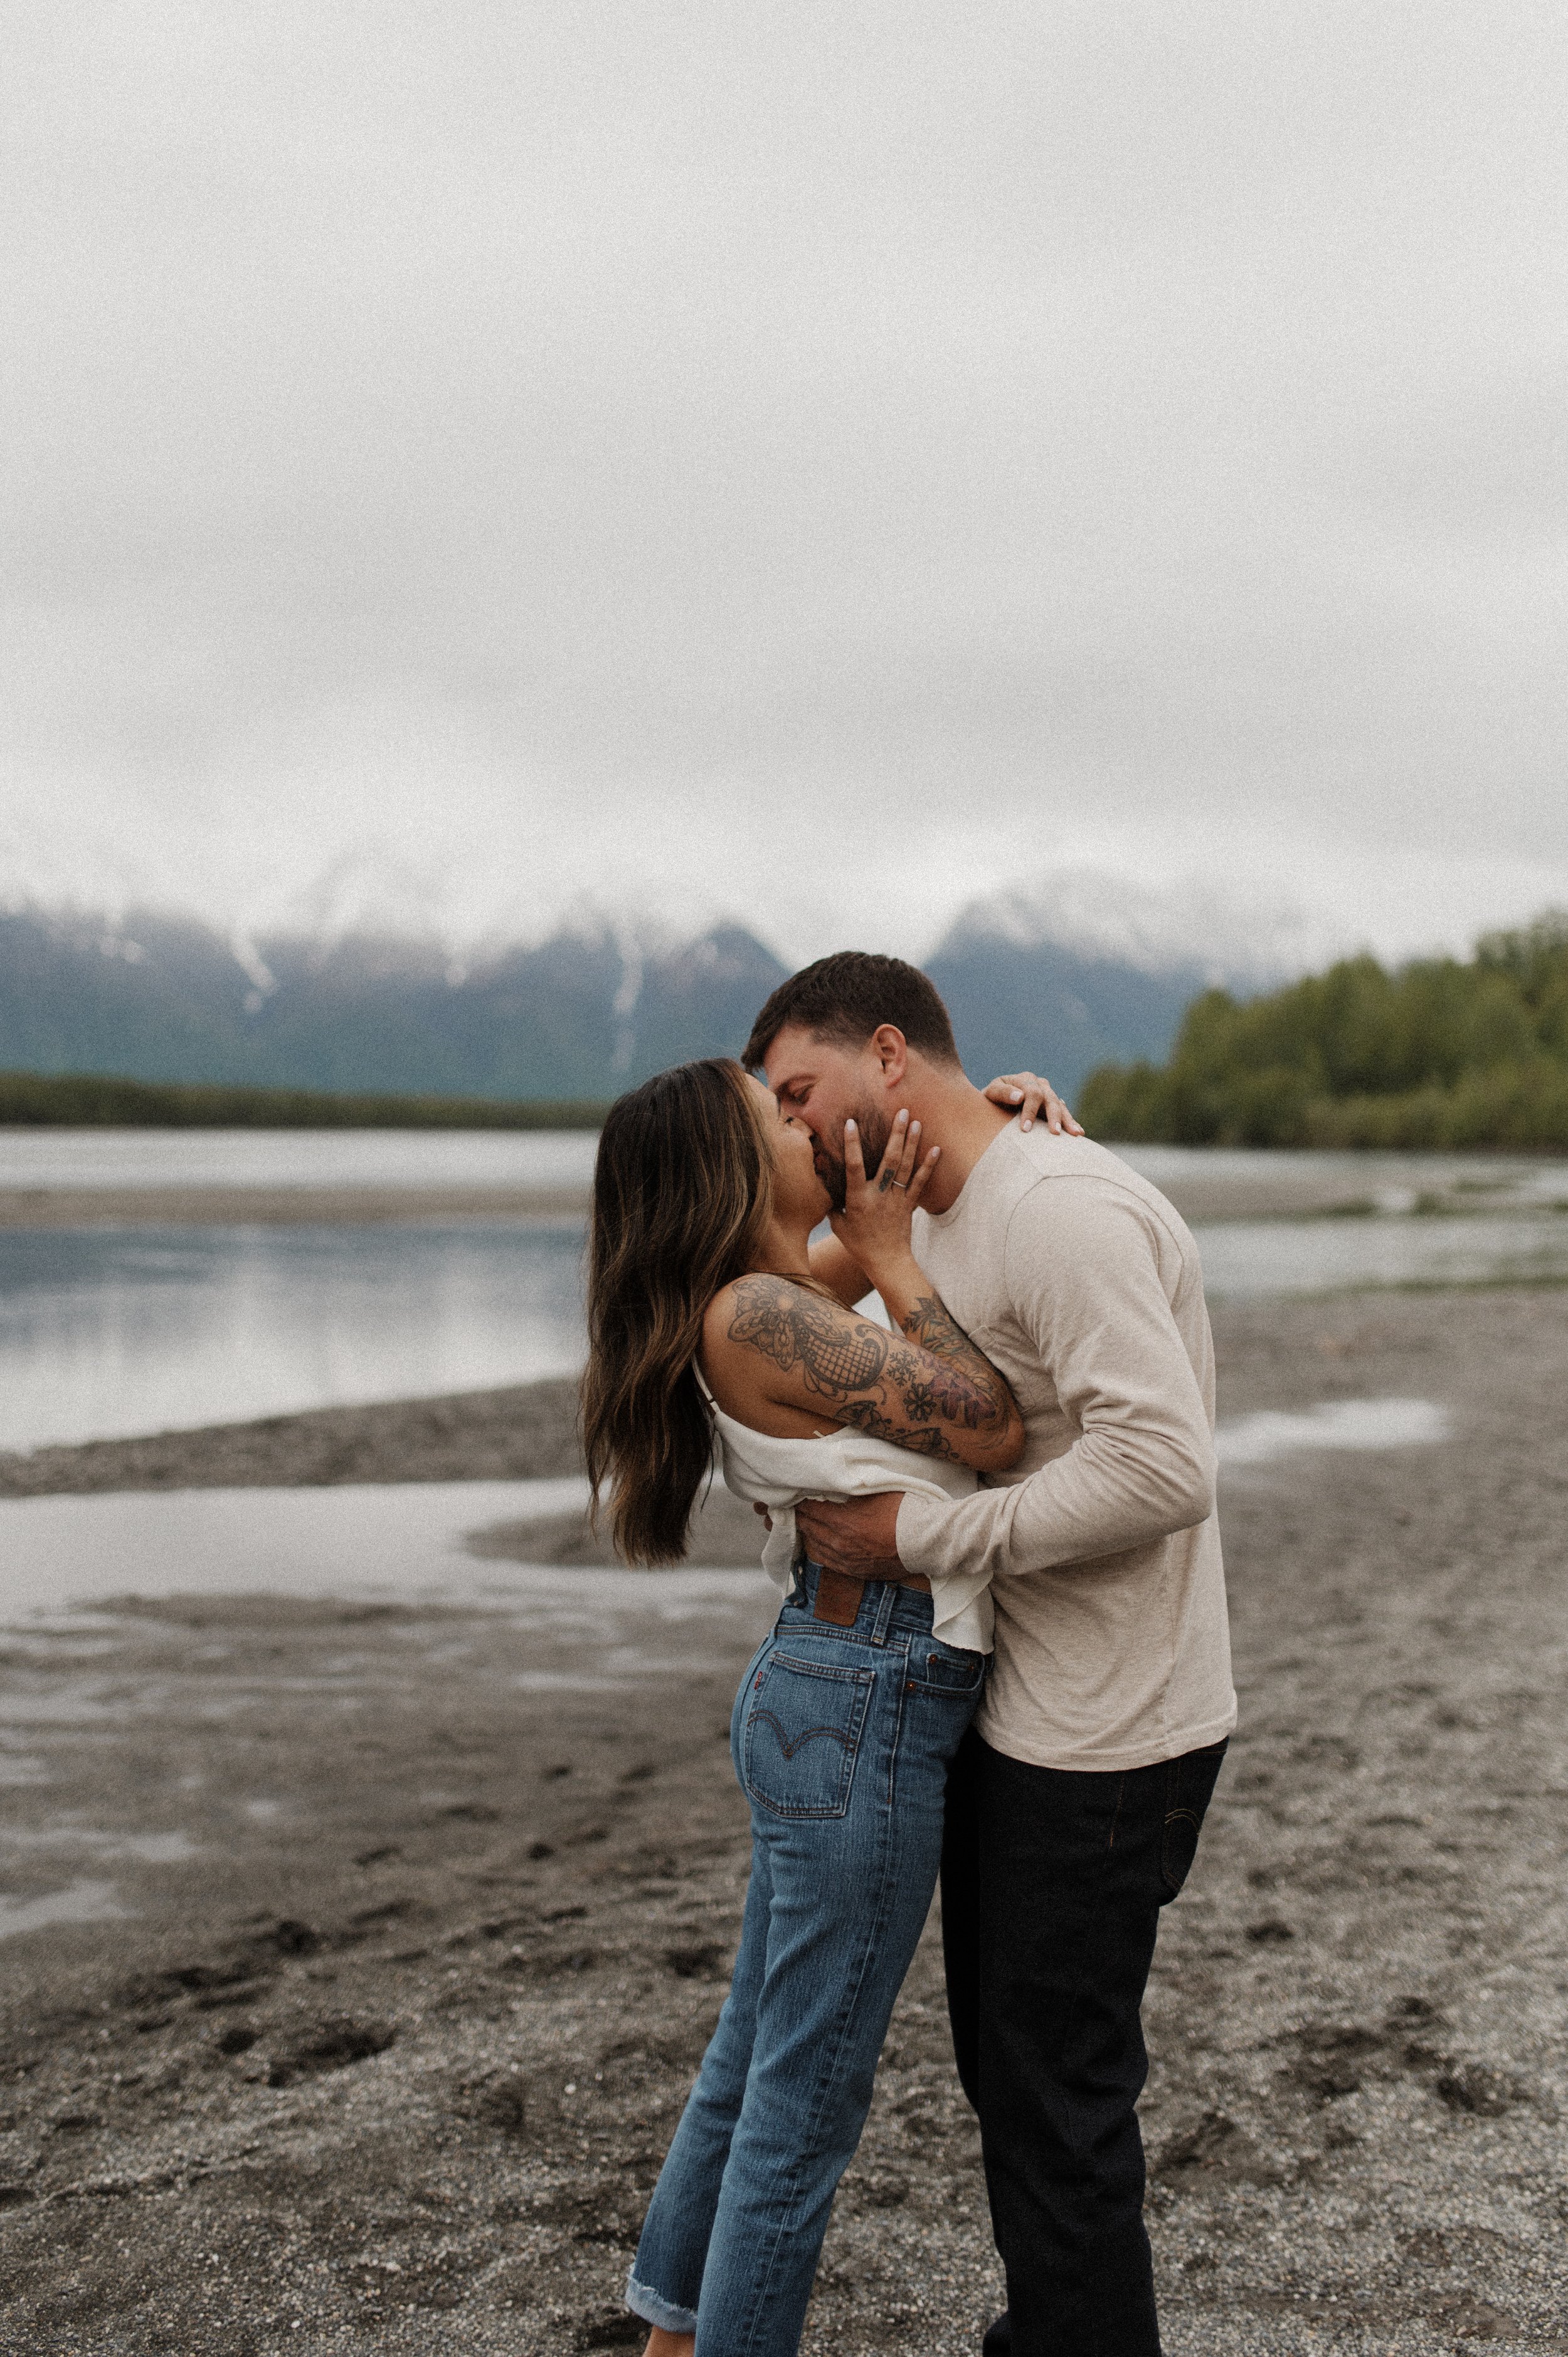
[(1243, 1258), (110, 1331), (369, 1540), (114, 1331), (426, 1542)]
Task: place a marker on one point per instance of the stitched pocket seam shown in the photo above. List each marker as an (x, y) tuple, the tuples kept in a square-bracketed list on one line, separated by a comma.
[(849, 1737)]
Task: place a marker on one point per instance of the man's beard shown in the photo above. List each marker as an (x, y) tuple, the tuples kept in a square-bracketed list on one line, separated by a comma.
[(876, 1129)]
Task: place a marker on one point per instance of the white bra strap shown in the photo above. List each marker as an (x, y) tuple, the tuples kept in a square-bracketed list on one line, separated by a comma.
[(702, 1385)]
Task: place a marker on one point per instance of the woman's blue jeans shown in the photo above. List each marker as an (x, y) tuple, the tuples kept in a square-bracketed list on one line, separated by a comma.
[(842, 1738)]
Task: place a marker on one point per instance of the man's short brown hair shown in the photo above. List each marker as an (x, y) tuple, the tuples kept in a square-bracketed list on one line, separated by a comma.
[(846, 998)]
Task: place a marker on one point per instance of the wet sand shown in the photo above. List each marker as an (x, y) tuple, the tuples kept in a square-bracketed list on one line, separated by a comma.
[(93, 1207), (428, 1914), (1271, 1192), (525, 1432)]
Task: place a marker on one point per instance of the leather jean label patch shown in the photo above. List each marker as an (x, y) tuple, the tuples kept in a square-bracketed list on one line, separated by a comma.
[(837, 1599)]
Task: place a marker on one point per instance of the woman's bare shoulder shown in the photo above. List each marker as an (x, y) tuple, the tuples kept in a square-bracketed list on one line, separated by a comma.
[(790, 1337), (762, 1313), (761, 1335)]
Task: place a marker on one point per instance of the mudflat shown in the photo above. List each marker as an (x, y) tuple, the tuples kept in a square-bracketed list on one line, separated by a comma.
[(1332, 1185), (182, 1206), (357, 1957), (525, 1432)]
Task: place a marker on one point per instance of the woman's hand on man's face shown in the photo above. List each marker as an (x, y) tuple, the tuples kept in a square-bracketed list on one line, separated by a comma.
[(1029, 1093), (874, 1226)]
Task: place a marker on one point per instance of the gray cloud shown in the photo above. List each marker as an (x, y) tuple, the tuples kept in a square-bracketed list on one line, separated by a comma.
[(820, 464)]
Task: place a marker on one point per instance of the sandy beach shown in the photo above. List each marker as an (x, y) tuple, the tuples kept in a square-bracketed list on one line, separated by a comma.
[(397, 1931)]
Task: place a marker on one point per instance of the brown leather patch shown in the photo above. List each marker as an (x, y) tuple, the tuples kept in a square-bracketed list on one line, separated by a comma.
[(837, 1598)]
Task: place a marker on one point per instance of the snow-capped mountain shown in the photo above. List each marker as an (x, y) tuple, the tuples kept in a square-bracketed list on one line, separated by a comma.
[(1057, 979), (582, 1014), (1085, 968)]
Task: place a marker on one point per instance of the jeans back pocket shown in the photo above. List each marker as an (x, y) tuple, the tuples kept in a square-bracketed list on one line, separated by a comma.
[(1189, 1787), (804, 1720)]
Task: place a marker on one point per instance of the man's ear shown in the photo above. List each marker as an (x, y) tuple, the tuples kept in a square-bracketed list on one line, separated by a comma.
[(892, 1052)]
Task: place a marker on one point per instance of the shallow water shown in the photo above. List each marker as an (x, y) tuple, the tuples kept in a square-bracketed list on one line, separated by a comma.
[(1358, 1425), (86, 1583), (370, 1542), (409, 1544), (1244, 1258), (112, 1331), (82, 1902), (1391, 1182), (93, 1591)]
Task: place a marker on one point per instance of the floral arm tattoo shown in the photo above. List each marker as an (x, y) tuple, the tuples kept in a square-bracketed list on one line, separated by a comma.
[(969, 1391), (870, 1379)]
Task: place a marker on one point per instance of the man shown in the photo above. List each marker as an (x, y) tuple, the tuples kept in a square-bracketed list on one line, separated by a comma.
[(1074, 1810)]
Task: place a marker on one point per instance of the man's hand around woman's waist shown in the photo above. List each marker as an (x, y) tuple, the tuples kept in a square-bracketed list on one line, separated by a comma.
[(853, 1570), (859, 1538)]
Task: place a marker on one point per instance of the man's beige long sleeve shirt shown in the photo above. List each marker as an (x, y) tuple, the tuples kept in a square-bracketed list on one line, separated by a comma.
[(1081, 1282)]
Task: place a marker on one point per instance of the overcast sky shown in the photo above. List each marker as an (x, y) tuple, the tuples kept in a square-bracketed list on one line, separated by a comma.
[(816, 463)]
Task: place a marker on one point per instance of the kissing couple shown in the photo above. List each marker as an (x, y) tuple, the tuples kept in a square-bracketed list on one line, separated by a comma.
[(1001, 1655)]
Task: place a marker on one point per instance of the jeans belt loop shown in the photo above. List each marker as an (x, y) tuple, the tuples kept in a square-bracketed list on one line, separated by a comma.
[(884, 1607)]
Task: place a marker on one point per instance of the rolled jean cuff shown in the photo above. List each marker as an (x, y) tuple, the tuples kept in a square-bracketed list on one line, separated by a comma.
[(644, 2301)]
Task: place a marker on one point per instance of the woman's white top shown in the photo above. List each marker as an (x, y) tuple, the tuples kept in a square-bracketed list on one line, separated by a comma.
[(768, 1471)]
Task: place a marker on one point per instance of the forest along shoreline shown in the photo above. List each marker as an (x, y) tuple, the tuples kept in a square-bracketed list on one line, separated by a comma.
[(357, 1956)]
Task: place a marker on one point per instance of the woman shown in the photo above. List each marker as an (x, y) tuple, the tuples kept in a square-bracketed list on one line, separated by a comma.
[(708, 1315)]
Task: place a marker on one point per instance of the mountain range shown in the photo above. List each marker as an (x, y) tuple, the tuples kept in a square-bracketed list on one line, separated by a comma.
[(587, 1011)]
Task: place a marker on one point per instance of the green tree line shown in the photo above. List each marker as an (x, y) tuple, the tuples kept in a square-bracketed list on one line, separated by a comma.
[(102, 1101), (1441, 1053)]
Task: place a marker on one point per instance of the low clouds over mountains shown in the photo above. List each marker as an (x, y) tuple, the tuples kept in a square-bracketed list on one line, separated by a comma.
[(584, 1014)]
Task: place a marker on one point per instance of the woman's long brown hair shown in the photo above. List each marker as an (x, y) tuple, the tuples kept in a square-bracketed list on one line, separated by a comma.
[(682, 1192)]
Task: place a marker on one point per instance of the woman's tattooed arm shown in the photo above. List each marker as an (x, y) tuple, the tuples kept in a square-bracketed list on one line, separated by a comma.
[(971, 1391), (927, 1388)]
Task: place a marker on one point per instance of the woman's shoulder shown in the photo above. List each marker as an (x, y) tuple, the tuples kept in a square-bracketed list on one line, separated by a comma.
[(774, 1342), (760, 1310), (757, 1335)]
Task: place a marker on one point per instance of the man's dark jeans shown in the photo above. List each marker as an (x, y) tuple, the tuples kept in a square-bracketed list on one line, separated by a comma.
[(1052, 1886)]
